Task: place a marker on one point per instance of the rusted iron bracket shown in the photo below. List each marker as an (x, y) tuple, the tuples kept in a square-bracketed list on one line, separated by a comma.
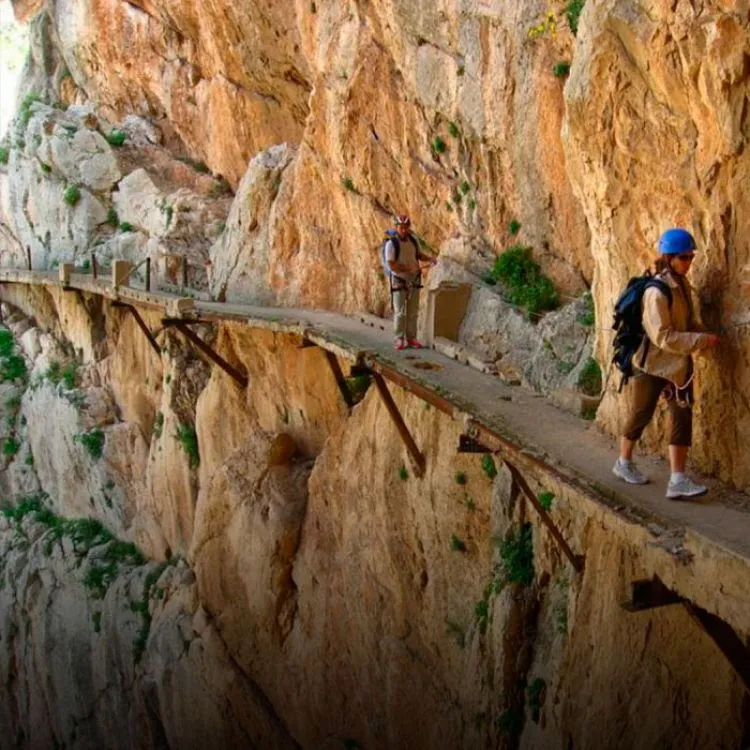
[(648, 594), (412, 386), (141, 324), (346, 394), (725, 637), (577, 561), (416, 456), (202, 346), (468, 444)]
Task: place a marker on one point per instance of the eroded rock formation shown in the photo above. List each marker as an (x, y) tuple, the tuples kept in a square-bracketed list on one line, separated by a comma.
[(318, 594)]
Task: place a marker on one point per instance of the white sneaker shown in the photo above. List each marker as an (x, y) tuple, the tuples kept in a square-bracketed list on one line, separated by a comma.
[(629, 472), (685, 488)]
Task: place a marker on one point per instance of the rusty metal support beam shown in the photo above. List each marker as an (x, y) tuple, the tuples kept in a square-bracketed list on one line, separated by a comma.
[(141, 324), (346, 394), (417, 457), (408, 384), (203, 347), (577, 561), (652, 593), (649, 594), (467, 444), (727, 640)]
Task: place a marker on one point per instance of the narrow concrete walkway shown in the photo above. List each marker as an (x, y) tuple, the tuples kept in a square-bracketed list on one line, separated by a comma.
[(570, 446)]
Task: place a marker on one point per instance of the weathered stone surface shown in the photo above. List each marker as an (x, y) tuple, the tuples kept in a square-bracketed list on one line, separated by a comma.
[(655, 133), (243, 257)]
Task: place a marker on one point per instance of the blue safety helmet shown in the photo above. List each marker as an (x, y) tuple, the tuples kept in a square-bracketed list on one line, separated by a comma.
[(676, 241)]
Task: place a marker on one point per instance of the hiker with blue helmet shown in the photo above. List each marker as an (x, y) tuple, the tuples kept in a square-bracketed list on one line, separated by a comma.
[(663, 363), (401, 258)]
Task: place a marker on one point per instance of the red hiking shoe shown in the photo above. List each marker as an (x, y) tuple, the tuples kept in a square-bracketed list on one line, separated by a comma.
[(399, 344), (414, 344)]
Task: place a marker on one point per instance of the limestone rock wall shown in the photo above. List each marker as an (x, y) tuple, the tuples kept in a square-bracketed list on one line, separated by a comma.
[(330, 117), (311, 591), (656, 130)]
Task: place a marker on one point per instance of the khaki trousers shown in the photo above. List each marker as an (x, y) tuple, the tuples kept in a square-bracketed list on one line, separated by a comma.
[(405, 313), (646, 390)]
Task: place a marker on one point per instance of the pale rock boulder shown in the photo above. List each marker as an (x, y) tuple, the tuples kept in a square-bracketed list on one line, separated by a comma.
[(50, 155), (241, 258), (141, 203), (81, 156)]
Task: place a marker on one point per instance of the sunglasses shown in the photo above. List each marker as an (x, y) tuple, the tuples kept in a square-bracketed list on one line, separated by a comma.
[(686, 256)]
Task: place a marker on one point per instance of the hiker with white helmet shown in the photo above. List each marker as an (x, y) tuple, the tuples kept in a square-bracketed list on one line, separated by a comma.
[(401, 260), (663, 364)]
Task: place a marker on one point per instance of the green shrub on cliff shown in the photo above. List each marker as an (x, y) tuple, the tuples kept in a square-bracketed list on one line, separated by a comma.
[(517, 556), (189, 442), (72, 195), (523, 280), (116, 138), (92, 441)]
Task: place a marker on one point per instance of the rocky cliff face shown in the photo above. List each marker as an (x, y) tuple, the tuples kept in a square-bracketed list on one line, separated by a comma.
[(311, 591), (290, 583)]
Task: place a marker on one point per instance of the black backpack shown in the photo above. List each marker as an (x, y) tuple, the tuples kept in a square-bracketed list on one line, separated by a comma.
[(628, 322)]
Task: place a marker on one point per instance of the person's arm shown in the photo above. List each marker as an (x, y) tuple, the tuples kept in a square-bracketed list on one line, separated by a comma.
[(657, 322), (421, 256), (394, 265)]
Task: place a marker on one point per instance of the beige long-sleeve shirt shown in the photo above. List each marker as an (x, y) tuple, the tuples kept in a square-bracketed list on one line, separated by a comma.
[(671, 331)]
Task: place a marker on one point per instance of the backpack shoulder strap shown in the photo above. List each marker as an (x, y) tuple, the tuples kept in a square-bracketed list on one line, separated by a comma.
[(662, 286)]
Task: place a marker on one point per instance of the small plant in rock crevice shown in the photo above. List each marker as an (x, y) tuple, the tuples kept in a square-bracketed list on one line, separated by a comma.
[(72, 195), (116, 138), (11, 446), (453, 130), (188, 439), (92, 441), (561, 69), (545, 500), (439, 146), (488, 466), (514, 227), (403, 473), (4, 155), (517, 556), (461, 478), (112, 218)]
